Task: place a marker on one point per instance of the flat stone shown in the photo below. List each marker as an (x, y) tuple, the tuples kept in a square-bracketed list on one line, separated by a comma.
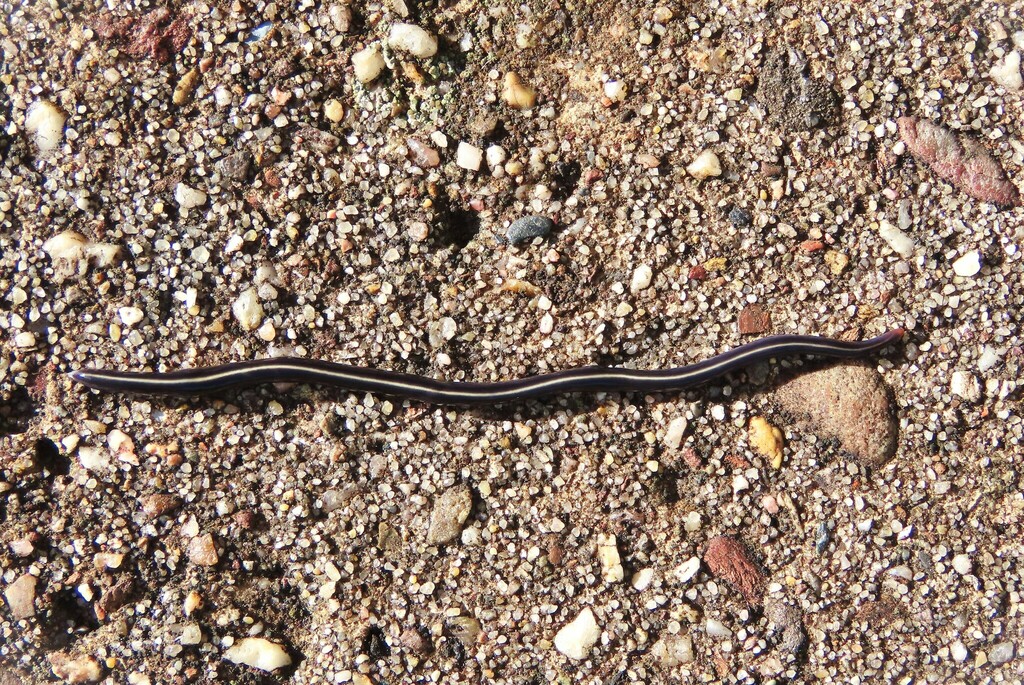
[(21, 596), (576, 639), (528, 228), (848, 402), (450, 511)]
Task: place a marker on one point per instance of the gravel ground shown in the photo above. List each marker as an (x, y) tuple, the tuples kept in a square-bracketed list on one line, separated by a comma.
[(208, 183)]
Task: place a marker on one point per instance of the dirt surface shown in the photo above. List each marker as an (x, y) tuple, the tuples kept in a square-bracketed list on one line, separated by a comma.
[(197, 184)]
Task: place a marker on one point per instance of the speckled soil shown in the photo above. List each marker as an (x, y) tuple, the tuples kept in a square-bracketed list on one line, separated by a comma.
[(214, 155)]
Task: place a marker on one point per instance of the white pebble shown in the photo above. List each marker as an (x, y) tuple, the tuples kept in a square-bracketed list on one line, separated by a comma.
[(130, 315), (704, 166), (258, 653), (412, 39), (674, 435), (692, 522), (576, 639), (968, 265), (641, 278), (267, 331), (716, 628), (962, 564), (641, 580), (69, 245), (615, 90), (188, 197), (673, 650), (1007, 72), (45, 121), (608, 555), (496, 156), (25, 340), (739, 484), (368, 63), (958, 651), (468, 156), (965, 385), (901, 243), (988, 359), (95, 459), (248, 310), (687, 570)]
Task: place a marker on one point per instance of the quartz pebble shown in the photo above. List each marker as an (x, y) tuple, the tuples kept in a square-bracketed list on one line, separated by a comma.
[(968, 265), (641, 278), (1006, 71), (188, 197), (608, 555), (527, 228), (576, 639), (247, 309), (368, 63), (716, 628), (1001, 653), (468, 156), (965, 385), (687, 570), (45, 121), (412, 39), (962, 564), (958, 651), (258, 652), (674, 434), (901, 243), (615, 90), (705, 165), (75, 670), (674, 650), (642, 579)]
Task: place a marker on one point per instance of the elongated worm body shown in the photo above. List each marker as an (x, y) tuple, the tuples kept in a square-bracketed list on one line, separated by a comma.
[(214, 379)]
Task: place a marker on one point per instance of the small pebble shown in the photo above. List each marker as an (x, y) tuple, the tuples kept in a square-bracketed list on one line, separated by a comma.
[(767, 440), (45, 121), (754, 320), (188, 197), (962, 564), (449, 513), (528, 228), (715, 628), (468, 156), (421, 154), (130, 315), (576, 639), (202, 551), (334, 111), (615, 90), (968, 265), (674, 434), (412, 39), (706, 165), (687, 570), (21, 596), (901, 243), (673, 650), (1006, 72), (258, 652), (608, 555), (965, 385), (248, 310), (641, 580), (1001, 653), (641, 278), (517, 94), (958, 651), (368, 63), (740, 217)]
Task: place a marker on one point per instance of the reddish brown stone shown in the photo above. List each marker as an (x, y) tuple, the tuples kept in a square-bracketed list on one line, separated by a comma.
[(155, 506), (754, 319), (698, 273), (157, 35), (727, 558), (961, 160)]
